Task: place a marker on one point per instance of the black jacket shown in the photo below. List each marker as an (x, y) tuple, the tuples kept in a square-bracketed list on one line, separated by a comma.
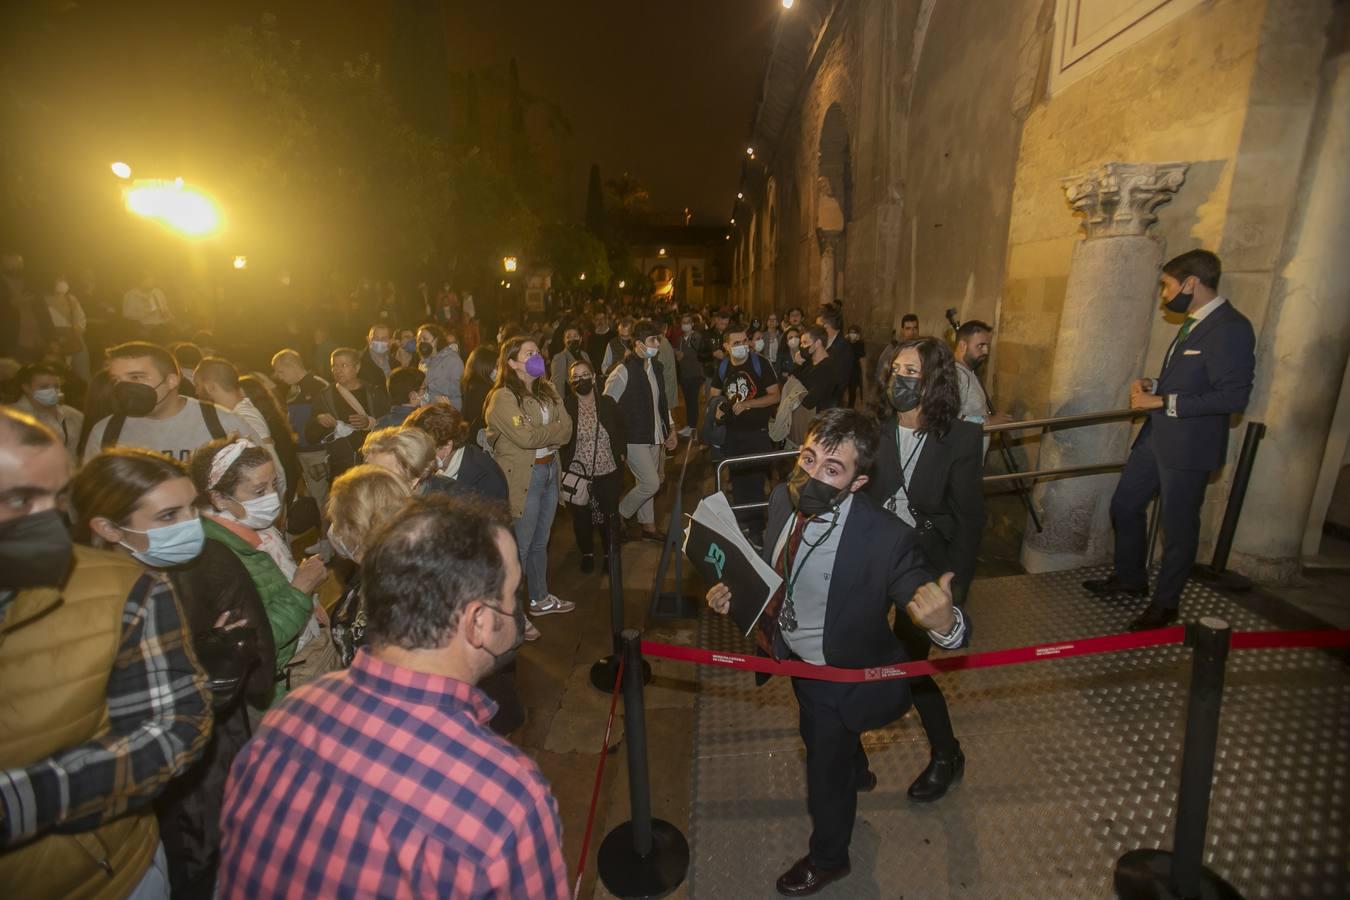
[(479, 474), (1211, 373), (607, 412), (878, 566), (947, 493)]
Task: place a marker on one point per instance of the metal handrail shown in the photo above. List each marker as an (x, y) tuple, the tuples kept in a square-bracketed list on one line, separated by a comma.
[(1076, 420)]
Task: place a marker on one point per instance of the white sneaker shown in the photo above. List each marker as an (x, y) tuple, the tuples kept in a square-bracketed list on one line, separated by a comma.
[(531, 633), (686, 431), (550, 605)]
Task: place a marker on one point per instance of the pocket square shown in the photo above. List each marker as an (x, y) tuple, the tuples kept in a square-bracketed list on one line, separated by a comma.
[(1190, 352)]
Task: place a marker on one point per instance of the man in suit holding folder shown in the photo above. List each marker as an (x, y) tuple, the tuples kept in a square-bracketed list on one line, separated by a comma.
[(1206, 377), (845, 563)]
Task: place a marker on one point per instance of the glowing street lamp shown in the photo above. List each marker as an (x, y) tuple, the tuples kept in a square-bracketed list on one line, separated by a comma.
[(121, 170), (182, 208), (750, 152), (787, 4), (622, 285), (583, 276), (740, 195), (509, 263), (661, 252), (241, 262)]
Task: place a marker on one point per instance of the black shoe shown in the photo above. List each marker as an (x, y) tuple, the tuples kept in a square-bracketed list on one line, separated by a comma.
[(866, 783), (1153, 617), (587, 563), (942, 772), (804, 878), (1105, 587)]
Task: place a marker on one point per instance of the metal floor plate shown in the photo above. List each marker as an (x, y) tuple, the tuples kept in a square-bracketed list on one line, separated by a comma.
[(1069, 764)]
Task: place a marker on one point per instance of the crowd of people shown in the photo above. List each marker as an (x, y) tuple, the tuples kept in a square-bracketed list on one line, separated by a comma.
[(290, 578)]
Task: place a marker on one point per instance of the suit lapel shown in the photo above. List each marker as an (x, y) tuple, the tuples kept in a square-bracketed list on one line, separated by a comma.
[(1196, 334), (849, 557)]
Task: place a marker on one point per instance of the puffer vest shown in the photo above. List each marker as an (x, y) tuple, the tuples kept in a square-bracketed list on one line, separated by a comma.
[(57, 649)]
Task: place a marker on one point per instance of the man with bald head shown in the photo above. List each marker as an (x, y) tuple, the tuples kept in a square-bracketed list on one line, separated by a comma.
[(101, 700)]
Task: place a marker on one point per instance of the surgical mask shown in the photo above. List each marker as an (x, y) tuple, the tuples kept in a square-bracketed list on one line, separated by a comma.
[(740, 353), (651, 352), (904, 392), (61, 288), (811, 496), (380, 347), (170, 545), (35, 551), (854, 336), (425, 349), (794, 343), (534, 366), (48, 396), (410, 347), (507, 656), (260, 512), (339, 548), (1181, 303), (686, 327), (759, 345), (583, 386), (133, 399), (454, 348), (424, 398)]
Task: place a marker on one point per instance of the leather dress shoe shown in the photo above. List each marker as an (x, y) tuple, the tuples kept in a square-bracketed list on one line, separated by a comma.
[(804, 879), (1104, 587), (933, 782), (866, 783), (1154, 617)]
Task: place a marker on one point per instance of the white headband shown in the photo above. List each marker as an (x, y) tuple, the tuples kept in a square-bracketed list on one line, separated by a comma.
[(224, 458)]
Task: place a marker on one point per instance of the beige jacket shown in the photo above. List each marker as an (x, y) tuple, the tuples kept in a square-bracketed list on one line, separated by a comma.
[(515, 430)]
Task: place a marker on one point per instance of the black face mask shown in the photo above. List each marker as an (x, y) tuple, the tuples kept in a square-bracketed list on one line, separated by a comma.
[(35, 551), (1181, 303), (583, 386), (506, 657), (133, 399), (811, 496), (574, 347), (426, 349), (904, 392)]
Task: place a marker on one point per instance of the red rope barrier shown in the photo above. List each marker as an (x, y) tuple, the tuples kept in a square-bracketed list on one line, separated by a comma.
[(599, 777), (1112, 643)]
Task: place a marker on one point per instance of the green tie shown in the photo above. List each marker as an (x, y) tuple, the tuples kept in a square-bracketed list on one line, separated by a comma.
[(1185, 330)]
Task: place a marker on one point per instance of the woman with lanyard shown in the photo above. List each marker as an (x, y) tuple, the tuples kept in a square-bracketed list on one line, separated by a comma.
[(594, 455), (929, 473)]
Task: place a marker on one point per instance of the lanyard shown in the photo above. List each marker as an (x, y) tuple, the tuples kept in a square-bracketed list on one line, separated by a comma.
[(905, 463), (788, 575)]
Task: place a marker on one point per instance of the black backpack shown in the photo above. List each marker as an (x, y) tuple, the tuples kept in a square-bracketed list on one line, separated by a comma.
[(210, 415)]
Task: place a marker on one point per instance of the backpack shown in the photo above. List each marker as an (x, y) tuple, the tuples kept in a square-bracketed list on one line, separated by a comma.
[(210, 416), (726, 363)]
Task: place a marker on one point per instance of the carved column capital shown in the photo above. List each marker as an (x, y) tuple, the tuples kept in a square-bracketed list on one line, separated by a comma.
[(829, 239), (1119, 199)]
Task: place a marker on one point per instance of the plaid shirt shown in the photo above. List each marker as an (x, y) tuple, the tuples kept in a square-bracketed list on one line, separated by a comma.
[(382, 781), (159, 721)]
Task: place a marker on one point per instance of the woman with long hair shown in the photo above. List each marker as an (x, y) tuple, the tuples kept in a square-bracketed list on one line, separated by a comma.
[(283, 439), (144, 504), (526, 424), (596, 454), (236, 491), (480, 374), (929, 472)]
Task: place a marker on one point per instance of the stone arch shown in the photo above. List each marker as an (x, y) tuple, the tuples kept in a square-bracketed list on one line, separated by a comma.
[(834, 201)]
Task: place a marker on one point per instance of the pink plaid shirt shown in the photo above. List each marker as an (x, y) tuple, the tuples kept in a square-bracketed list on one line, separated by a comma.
[(383, 782)]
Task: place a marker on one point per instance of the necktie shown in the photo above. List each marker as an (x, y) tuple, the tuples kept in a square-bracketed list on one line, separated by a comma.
[(767, 628), (1181, 339)]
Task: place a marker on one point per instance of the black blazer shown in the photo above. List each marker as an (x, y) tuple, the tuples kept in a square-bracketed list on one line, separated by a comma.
[(947, 490), (878, 565), (611, 419), (480, 474), (1211, 373)]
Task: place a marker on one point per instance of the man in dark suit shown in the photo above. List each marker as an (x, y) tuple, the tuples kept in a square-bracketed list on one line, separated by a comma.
[(1206, 377), (846, 562)]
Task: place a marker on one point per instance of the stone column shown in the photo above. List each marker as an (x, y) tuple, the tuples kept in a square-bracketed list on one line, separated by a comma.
[(829, 262), (1109, 304)]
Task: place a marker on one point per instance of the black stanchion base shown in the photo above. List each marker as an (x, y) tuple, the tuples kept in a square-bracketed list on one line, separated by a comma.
[(625, 874), (604, 671), (674, 606), (1227, 580), (1143, 875)]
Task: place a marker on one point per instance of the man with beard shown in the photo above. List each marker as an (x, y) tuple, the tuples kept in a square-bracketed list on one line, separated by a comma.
[(972, 351)]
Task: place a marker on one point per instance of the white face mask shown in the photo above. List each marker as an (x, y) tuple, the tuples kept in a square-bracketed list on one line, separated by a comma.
[(686, 327), (170, 545), (260, 512), (759, 345), (495, 375), (48, 396), (61, 288)]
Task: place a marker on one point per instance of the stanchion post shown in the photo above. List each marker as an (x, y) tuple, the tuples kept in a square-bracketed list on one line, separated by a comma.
[(1181, 872), (605, 669), (1217, 570), (643, 857)]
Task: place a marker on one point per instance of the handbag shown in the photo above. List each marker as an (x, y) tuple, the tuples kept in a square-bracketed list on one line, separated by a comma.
[(575, 486)]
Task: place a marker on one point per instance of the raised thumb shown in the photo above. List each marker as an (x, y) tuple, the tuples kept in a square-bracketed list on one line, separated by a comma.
[(945, 582)]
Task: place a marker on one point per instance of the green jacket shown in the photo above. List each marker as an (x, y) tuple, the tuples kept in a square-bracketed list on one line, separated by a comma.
[(288, 610)]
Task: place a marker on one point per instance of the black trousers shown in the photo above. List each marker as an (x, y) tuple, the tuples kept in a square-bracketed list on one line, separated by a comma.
[(835, 764), (927, 696), (1183, 493), (690, 387), (606, 490), (748, 482)]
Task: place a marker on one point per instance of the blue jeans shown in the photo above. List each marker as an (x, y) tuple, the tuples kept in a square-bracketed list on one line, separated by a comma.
[(533, 528)]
